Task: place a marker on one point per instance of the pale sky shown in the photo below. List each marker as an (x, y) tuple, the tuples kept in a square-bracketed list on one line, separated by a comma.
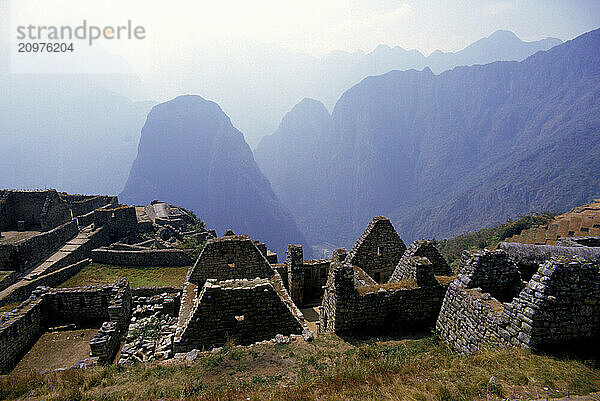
[(176, 27)]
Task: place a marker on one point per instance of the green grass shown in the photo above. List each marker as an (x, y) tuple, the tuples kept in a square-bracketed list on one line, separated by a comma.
[(97, 274), (329, 368)]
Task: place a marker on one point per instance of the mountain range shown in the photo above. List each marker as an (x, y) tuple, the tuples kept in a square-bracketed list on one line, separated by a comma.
[(261, 82), (191, 155), (442, 154)]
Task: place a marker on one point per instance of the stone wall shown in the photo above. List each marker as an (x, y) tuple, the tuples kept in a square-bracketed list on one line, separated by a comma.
[(422, 248), (85, 219), (84, 204), (49, 280), (245, 311), (559, 305), (105, 343), (43, 210), (469, 319), (492, 271), (81, 306), (529, 257), (315, 277), (19, 330), (348, 308), (295, 273), (225, 258), (378, 250), (148, 257), (119, 220), (9, 279), (23, 255)]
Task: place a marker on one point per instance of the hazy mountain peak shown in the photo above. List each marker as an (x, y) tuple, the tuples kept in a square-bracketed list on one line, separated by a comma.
[(191, 155)]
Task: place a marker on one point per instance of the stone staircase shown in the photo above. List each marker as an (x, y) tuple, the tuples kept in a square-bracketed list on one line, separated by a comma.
[(74, 250)]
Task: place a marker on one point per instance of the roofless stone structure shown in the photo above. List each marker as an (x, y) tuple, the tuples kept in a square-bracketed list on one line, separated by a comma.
[(378, 249)]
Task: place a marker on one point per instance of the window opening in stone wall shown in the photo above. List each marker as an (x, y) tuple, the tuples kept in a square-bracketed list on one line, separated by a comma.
[(378, 251), (240, 318)]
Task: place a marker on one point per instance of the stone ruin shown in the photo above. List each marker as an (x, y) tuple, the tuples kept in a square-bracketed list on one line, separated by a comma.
[(48, 307), (233, 293), (378, 250), (64, 230), (356, 298), (489, 306), (236, 291)]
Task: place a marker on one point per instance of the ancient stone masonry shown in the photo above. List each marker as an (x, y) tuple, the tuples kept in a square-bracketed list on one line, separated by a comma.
[(84, 204), (228, 258), (422, 248), (26, 287), (120, 220), (560, 304), (304, 279), (245, 311), (492, 271), (143, 257), (47, 307), (24, 254), (529, 257), (349, 305), (295, 273), (39, 210), (153, 324), (378, 250), (232, 292)]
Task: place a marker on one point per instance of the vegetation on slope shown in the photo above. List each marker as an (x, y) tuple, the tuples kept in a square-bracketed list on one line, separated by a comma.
[(98, 274), (329, 368), (489, 237)]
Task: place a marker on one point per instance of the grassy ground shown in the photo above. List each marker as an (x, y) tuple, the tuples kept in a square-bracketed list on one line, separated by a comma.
[(329, 368), (97, 274)]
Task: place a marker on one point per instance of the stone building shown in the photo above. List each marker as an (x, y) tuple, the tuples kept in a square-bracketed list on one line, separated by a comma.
[(422, 248), (378, 249), (32, 210), (47, 307), (233, 293), (489, 306), (353, 301)]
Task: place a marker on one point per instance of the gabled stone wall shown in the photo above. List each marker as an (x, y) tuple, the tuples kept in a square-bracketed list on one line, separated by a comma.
[(422, 248), (226, 258), (241, 310), (348, 308), (378, 250), (559, 305)]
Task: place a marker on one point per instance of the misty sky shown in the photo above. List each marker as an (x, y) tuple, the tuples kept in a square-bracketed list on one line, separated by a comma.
[(315, 27)]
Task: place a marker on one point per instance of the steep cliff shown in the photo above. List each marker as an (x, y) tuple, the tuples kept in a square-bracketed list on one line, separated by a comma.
[(191, 155)]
